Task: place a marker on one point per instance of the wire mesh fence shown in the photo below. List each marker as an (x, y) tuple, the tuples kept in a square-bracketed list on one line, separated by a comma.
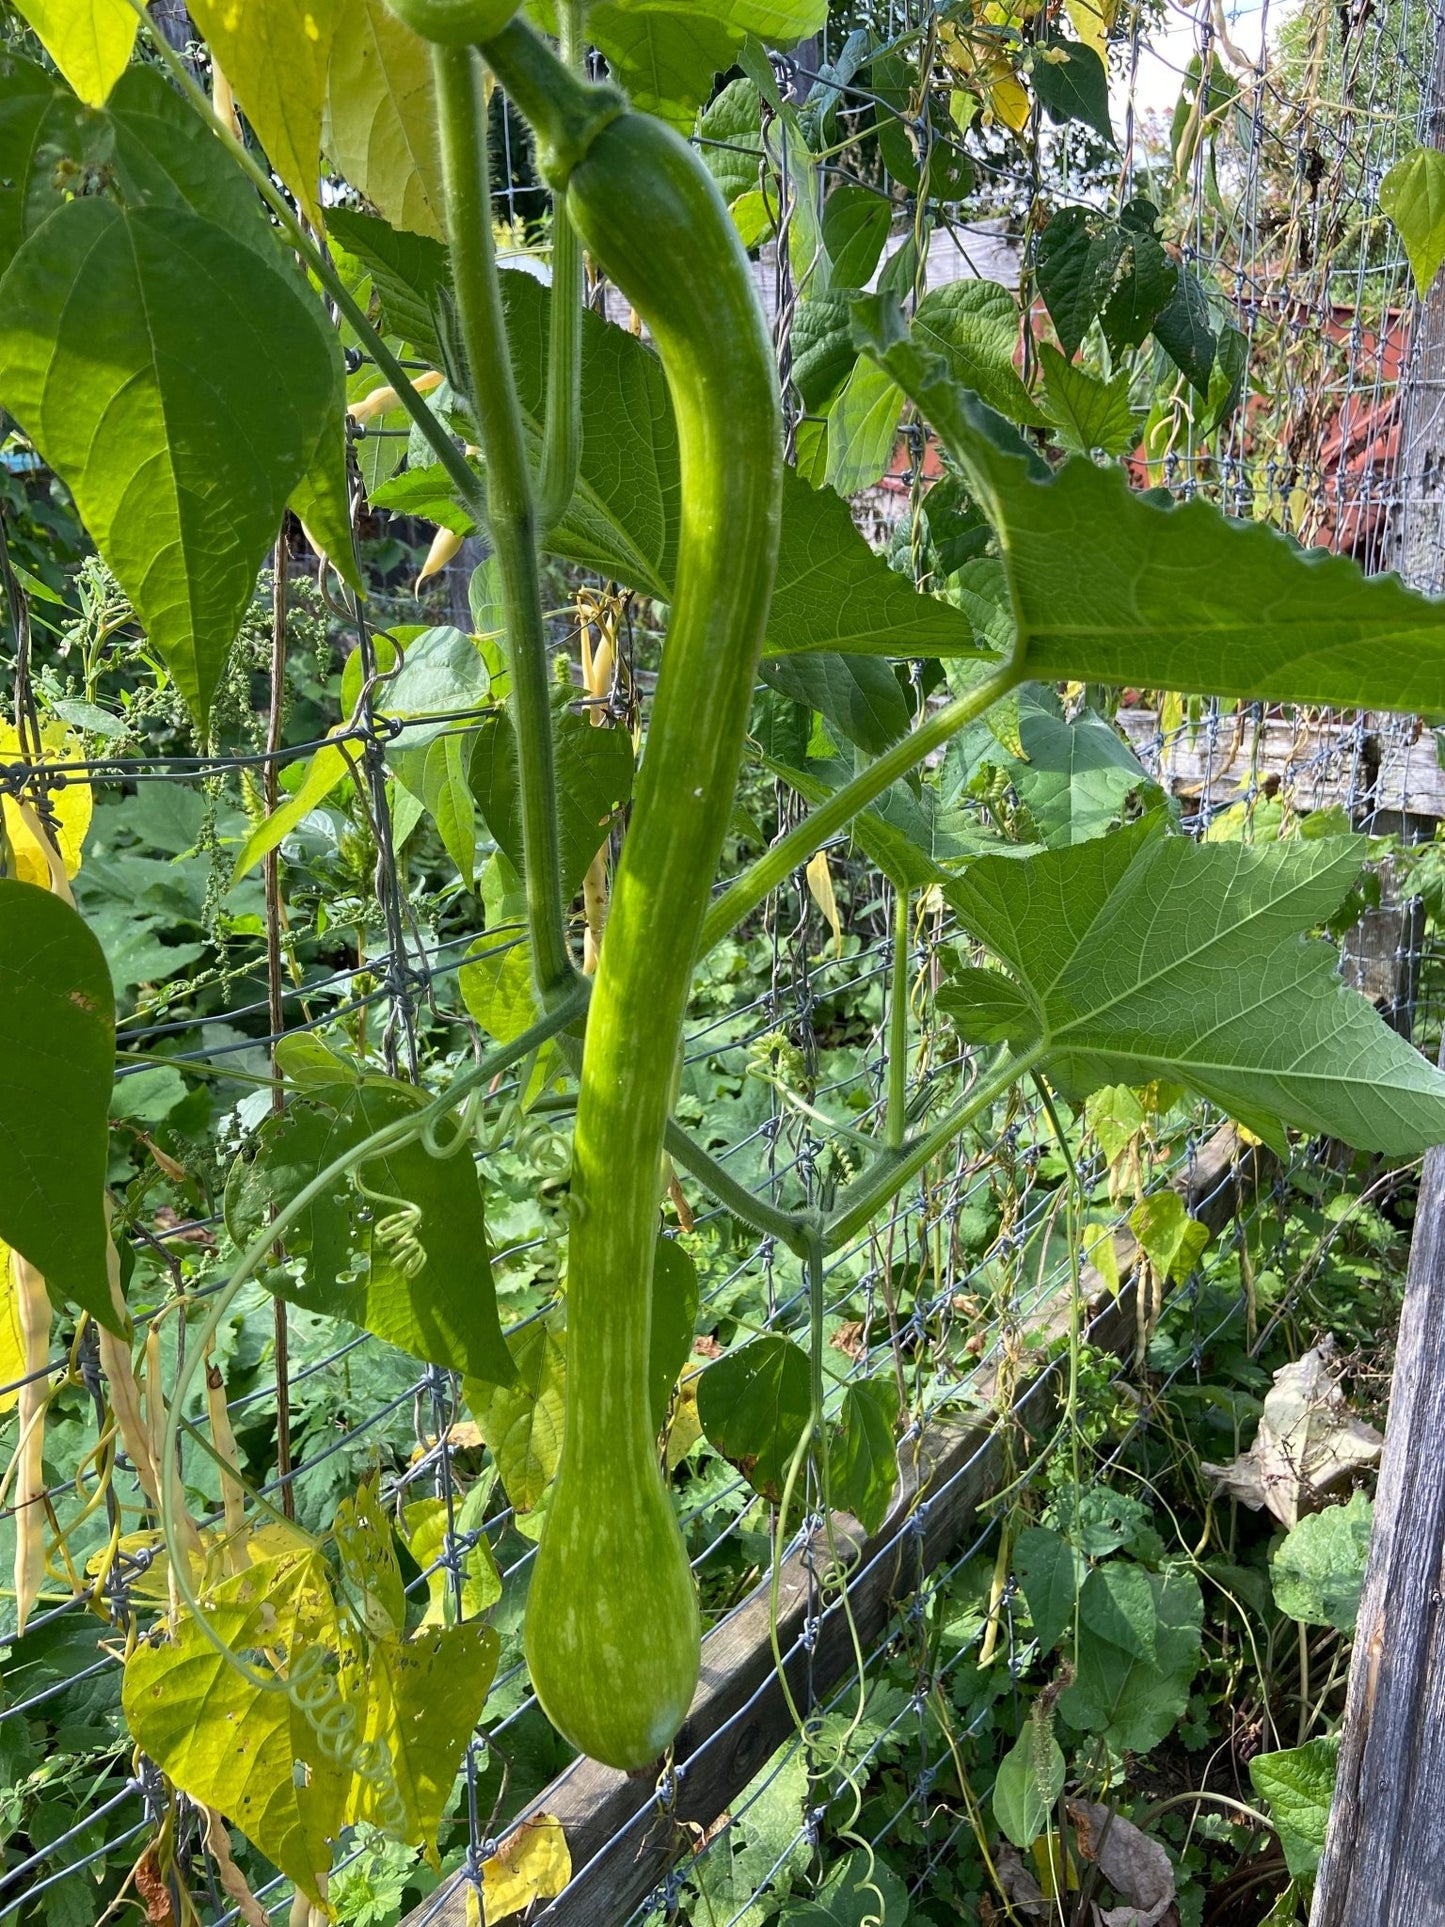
[(1278, 132)]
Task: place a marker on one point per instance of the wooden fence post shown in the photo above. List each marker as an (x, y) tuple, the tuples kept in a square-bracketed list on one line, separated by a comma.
[(1384, 1859)]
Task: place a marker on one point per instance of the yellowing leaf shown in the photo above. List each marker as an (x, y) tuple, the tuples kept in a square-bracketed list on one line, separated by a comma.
[(522, 1423), (1092, 20), (12, 1334), (531, 1864), (89, 41), (275, 54), (820, 888), (234, 1745), (68, 808), (380, 122), (426, 1530)]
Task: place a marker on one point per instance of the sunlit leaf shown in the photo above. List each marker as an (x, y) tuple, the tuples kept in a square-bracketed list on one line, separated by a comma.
[(521, 1422), (178, 386), (532, 1863), (89, 40), (1298, 1787), (1112, 588), (1413, 195), (380, 127), (1022, 1802), (1139, 955), (275, 54)]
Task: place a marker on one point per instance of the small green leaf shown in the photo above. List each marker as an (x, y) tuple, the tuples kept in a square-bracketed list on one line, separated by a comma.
[(730, 139), (594, 781), (183, 441), (1298, 1786), (1172, 1241), (447, 795), (1117, 1604), (57, 1043), (1412, 194), (822, 349), (862, 429), (324, 770), (1088, 413), (855, 232), (1049, 1571), (1022, 1803), (755, 1405), (521, 1422), (675, 1298), (408, 275), (362, 1267), (974, 325), (1318, 1568), (497, 988), (1072, 83), (863, 1454), (1186, 334), (860, 696)]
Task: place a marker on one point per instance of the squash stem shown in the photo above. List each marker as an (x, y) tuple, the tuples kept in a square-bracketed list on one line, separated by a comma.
[(511, 513), (562, 430), (790, 1227), (884, 1179), (897, 1117), (831, 818)]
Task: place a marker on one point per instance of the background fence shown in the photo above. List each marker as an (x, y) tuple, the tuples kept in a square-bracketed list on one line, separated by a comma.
[(973, 1272)]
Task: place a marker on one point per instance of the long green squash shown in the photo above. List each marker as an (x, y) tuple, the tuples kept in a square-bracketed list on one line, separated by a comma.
[(612, 1633)]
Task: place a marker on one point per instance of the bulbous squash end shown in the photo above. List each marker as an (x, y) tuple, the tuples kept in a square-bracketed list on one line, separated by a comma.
[(612, 1637)]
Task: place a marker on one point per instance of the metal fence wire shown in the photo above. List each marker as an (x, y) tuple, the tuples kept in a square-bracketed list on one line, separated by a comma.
[(970, 1266)]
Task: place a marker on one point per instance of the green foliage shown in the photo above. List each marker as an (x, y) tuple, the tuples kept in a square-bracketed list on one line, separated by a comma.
[(1130, 1701), (183, 445), (1318, 1569), (1028, 1785), (756, 1406), (1413, 195), (404, 1254), (1297, 1786), (57, 1034)]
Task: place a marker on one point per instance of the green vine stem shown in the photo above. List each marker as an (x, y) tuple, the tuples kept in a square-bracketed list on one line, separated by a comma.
[(790, 852), (511, 517), (562, 429), (865, 1198), (612, 1633), (896, 1123)]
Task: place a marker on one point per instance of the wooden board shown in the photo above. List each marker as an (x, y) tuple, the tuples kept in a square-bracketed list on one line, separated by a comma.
[(621, 1835)]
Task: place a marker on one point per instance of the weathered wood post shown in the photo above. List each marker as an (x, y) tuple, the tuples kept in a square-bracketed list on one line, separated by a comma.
[(1384, 1859)]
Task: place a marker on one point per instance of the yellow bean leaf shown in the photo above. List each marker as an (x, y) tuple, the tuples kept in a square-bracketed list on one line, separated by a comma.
[(275, 54), (12, 1338), (380, 129), (89, 41), (820, 887), (68, 808), (532, 1864)]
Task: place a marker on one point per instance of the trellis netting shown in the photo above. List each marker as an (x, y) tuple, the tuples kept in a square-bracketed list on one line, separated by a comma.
[(1260, 138)]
